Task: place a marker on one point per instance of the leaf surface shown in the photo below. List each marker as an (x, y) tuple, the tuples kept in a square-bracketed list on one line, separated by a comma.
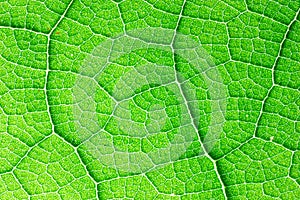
[(144, 99)]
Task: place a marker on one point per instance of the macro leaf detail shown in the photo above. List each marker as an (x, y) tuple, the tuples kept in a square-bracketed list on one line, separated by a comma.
[(144, 99)]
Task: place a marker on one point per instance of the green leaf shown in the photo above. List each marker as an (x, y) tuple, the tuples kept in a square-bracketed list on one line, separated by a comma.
[(146, 99)]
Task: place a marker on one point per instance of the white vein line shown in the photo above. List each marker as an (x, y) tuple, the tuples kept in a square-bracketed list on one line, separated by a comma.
[(273, 69), (48, 63), (151, 183), (29, 150), (290, 168), (119, 11), (157, 9), (269, 91), (6, 128), (89, 78), (20, 65), (186, 103), (17, 180), (47, 101), (177, 82), (23, 29)]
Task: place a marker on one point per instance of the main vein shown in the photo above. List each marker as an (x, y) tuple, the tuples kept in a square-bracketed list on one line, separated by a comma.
[(47, 99), (186, 101)]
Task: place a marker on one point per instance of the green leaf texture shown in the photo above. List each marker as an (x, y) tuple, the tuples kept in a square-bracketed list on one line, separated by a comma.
[(102, 99)]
